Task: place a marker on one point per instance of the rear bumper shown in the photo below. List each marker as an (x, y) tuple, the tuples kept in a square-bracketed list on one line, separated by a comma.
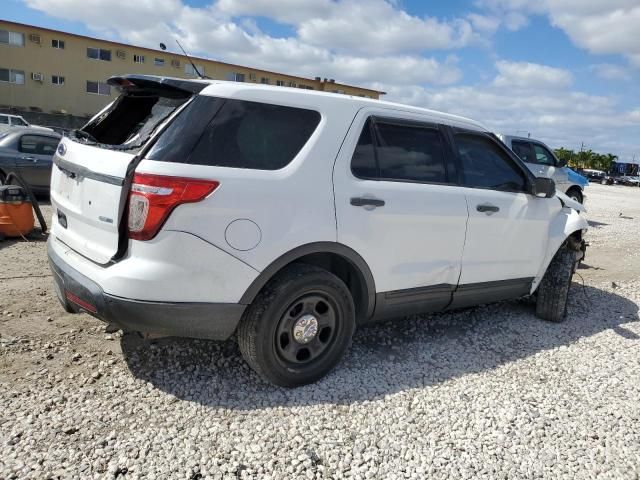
[(77, 293)]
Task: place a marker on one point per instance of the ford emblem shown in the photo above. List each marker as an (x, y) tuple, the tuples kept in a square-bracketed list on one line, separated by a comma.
[(62, 149)]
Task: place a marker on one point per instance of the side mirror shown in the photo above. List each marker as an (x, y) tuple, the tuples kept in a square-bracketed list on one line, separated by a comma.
[(543, 187), (561, 163)]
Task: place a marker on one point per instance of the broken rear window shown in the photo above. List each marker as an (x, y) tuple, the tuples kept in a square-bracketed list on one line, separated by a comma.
[(131, 119)]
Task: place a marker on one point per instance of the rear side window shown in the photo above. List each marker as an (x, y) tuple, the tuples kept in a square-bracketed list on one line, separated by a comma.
[(400, 152), (410, 152), (486, 165), (254, 135), (523, 150), (38, 144)]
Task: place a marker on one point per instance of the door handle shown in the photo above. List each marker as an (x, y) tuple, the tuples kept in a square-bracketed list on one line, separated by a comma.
[(31, 159), (367, 202), (488, 209)]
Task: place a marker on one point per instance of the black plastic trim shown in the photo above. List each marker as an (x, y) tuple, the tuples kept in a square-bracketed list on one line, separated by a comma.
[(317, 247), (400, 303), (487, 292), (216, 321), (153, 81)]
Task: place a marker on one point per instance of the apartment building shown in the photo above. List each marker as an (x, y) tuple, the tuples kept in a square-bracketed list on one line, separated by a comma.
[(54, 73)]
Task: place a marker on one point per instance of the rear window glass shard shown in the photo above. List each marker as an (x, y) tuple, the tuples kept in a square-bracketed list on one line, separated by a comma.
[(131, 119), (240, 134)]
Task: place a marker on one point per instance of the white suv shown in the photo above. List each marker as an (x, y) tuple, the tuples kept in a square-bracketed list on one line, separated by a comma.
[(204, 208)]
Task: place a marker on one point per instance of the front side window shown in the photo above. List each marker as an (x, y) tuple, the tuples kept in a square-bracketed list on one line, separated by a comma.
[(523, 150), (19, 122), (241, 134), (99, 88), (38, 144), (543, 156), (485, 165), (4, 120)]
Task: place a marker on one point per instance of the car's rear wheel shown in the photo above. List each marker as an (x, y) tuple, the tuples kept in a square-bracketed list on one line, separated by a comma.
[(298, 327), (553, 292)]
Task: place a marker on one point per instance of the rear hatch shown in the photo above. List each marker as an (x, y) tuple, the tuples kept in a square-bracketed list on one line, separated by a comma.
[(93, 167)]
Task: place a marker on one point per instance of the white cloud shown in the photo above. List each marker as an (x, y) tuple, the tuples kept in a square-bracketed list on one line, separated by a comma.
[(530, 75), (610, 71)]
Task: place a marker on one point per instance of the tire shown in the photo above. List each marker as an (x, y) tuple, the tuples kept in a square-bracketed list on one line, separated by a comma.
[(276, 334), (553, 292), (574, 194)]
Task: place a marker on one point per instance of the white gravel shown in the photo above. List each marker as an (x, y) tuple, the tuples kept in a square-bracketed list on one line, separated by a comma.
[(490, 392)]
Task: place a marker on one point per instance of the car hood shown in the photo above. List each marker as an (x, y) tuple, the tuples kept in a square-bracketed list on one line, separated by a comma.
[(568, 202)]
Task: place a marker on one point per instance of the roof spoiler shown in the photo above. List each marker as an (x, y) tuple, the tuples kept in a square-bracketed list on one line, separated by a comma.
[(152, 82)]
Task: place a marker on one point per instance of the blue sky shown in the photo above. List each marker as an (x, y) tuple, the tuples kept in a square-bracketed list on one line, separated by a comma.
[(566, 71)]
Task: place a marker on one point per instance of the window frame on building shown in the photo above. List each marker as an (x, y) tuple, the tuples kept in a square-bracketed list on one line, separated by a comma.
[(102, 53), (57, 80), (57, 44), (100, 86), (279, 83), (158, 62), (188, 70), (264, 80), (12, 35), (138, 58), (12, 76)]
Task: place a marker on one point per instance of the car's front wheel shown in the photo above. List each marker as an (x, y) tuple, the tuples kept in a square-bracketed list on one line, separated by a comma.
[(298, 327), (553, 291)]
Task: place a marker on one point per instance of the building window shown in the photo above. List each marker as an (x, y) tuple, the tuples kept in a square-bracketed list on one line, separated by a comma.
[(57, 44), (99, 54), (57, 80), (280, 83), (138, 59), (292, 84), (264, 80), (12, 38), (252, 77), (158, 62), (236, 77), (12, 76), (98, 88), (188, 69)]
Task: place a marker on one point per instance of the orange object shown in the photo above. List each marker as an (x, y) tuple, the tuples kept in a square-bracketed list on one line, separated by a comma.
[(16, 212)]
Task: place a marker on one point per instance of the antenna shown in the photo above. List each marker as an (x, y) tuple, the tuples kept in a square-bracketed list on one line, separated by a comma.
[(195, 69)]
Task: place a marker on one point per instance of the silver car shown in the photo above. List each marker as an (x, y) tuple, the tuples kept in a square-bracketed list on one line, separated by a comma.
[(543, 163), (29, 151)]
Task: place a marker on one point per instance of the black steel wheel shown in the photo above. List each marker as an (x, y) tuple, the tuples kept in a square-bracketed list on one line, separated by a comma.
[(298, 327)]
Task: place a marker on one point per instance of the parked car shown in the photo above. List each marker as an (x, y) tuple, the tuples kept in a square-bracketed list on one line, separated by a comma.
[(29, 151), (630, 180), (204, 208), (542, 162), (8, 122), (592, 174)]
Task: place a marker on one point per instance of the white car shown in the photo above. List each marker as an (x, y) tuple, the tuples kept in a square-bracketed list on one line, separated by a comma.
[(204, 208), (8, 122)]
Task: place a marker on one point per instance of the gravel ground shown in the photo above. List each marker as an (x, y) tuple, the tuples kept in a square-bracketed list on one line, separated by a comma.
[(489, 392)]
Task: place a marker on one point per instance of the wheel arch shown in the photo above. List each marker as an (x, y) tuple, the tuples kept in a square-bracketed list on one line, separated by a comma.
[(337, 258), (566, 225)]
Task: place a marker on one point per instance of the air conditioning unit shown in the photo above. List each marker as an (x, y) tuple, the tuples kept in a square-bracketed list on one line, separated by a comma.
[(38, 77), (121, 54), (35, 38), (175, 63)]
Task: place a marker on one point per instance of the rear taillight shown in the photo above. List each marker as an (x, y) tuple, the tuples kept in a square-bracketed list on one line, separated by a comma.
[(153, 197)]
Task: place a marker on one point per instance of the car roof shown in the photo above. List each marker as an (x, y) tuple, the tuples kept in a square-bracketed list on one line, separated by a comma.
[(258, 92)]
